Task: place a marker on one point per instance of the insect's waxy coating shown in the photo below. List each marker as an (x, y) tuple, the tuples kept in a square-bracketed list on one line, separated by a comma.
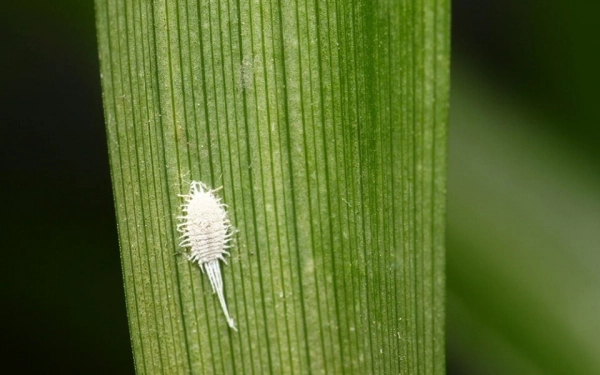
[(207, 232)]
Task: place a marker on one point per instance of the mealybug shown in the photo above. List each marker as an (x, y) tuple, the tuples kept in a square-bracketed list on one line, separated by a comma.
[(207, 232)]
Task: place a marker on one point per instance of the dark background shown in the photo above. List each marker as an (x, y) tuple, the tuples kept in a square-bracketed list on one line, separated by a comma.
[(62, 296)]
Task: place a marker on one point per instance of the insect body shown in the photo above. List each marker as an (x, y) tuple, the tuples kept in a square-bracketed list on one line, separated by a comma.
[(207, 232)]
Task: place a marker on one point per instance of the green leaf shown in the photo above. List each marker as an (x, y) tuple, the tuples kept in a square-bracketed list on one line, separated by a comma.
[(325, 123)]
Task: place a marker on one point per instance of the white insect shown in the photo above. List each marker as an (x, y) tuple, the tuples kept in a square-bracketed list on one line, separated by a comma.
[(207, 232)]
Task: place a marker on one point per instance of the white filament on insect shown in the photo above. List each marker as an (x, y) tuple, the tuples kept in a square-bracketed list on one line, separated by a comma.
[(207, 232)]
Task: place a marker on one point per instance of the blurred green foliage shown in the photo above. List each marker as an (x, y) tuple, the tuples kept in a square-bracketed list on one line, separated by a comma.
[(523, 234), (524, 202)]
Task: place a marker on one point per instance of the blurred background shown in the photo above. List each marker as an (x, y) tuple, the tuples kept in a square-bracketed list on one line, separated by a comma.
[(523, 192)]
